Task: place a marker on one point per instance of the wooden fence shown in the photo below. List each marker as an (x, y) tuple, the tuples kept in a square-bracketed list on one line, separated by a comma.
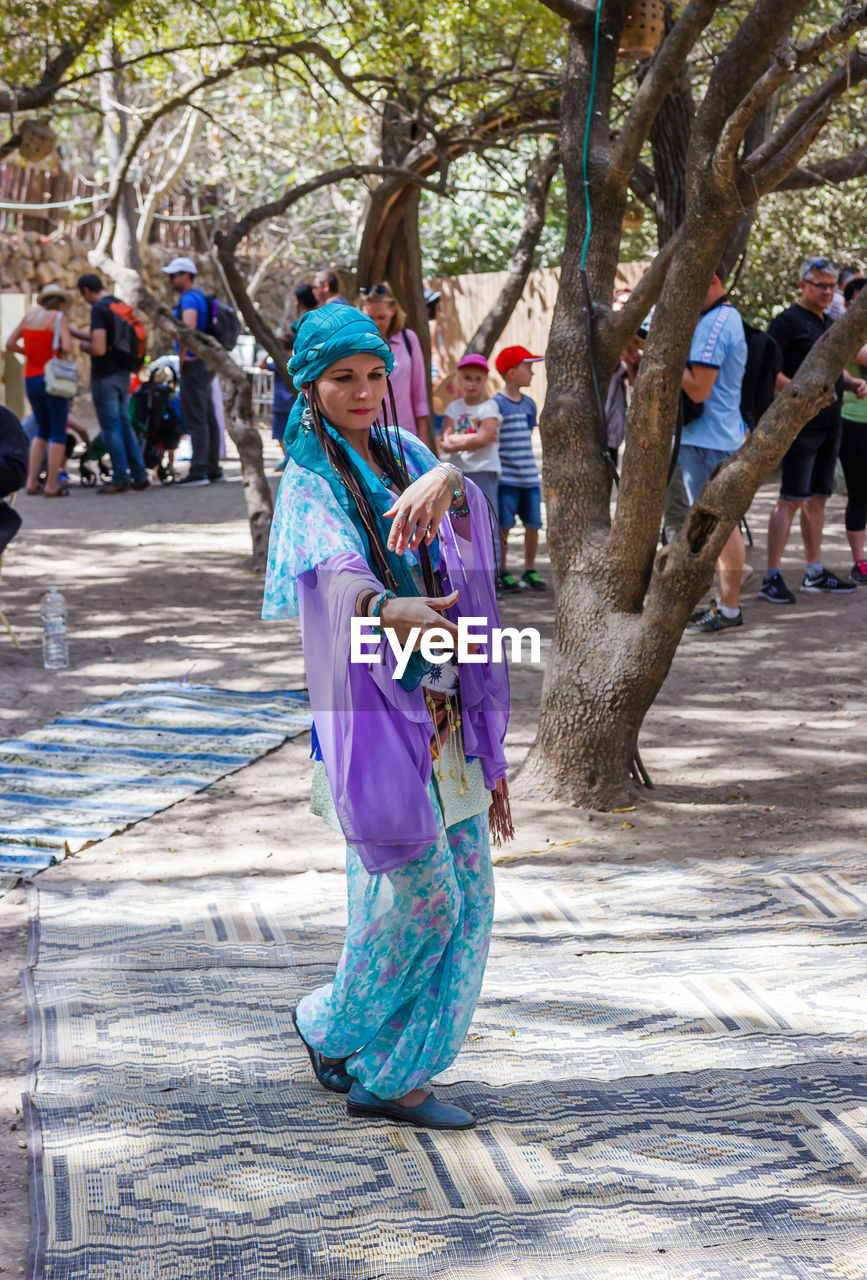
[(466, 300), (78, 207)]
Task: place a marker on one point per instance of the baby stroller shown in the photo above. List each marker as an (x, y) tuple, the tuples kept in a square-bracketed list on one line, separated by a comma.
[(155, 416), (92, 459)]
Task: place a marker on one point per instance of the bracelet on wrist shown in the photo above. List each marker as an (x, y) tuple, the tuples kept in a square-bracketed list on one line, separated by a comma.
[(458, 506), (380, 600), (365, 598)]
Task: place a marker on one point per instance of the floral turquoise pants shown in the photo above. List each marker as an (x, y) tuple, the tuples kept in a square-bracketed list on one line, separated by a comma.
[(409, 977)]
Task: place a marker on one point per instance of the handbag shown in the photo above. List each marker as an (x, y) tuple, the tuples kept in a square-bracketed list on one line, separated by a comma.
[(462, 798), (61, 376)]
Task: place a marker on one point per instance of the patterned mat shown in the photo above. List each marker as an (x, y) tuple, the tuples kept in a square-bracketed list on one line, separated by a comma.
[(671, 1105), (83, 777)]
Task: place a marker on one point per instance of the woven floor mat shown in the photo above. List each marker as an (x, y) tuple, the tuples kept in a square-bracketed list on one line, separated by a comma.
[(85, 776), (257, 920), (282, 1183), (644, 1015), (690, 1104)]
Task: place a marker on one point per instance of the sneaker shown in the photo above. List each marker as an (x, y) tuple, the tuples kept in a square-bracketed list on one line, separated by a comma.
[(531, 578), (217, 478), (141, 484), (115, 488), (713, 620), (826, 583), (506, 582), (698, 614), (774, 590), (193, 480), (859, 572)]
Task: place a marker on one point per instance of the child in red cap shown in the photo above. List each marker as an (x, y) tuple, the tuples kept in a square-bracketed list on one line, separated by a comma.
[(519, 492)]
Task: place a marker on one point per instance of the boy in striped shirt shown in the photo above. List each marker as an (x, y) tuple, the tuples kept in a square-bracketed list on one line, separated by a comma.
[(519, 492)]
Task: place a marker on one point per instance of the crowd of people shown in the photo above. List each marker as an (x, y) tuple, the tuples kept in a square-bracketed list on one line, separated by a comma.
[(488, 434), (721, 401)]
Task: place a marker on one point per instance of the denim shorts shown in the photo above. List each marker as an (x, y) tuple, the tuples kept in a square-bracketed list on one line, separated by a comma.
[(50, 412), (696, 465), (520, 500)]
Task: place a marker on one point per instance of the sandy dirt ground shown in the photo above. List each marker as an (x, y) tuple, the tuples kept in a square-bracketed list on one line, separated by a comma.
[(756, 744)]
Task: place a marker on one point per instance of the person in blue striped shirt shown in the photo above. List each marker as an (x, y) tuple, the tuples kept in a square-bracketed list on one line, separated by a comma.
[(519, 492)]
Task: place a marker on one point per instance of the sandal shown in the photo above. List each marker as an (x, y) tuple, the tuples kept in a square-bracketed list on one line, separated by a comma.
[(331, 1074), (430, 1114)]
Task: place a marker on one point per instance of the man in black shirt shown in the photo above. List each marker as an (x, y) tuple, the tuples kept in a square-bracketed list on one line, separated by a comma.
[(810, 463), (109, 387)]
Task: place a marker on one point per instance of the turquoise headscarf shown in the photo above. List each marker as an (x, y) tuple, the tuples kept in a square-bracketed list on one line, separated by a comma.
[(323, 337)]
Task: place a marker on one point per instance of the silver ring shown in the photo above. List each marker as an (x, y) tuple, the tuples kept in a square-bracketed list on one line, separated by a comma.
[(428, 528), (403, 515)]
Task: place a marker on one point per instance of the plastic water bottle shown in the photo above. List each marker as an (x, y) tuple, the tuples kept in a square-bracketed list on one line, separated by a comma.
[(55, 642)]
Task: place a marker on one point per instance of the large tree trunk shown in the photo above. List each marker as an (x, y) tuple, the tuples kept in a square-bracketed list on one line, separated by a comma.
[(621, 603), (521, 264), (587, 728)]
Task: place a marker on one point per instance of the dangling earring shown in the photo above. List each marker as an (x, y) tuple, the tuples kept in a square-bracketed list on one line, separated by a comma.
[(306, 419)]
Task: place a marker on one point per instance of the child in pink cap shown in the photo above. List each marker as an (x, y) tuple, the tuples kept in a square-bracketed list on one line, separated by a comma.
[(471, 428)]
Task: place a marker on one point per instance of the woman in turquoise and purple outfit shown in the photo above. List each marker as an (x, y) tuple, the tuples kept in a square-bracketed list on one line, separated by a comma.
[(368, 524)]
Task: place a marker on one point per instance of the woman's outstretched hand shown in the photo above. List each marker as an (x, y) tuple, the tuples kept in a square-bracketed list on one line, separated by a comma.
[(401, 614), (418, 512)]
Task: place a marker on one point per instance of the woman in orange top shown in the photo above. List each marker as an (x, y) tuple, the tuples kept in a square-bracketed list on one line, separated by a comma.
[(34, 340)]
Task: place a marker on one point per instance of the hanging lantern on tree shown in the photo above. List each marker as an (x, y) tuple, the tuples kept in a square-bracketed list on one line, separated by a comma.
[(643, 30), (38, 140)]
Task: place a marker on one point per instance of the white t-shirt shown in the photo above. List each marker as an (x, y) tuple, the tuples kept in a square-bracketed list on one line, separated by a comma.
[(465, 420)]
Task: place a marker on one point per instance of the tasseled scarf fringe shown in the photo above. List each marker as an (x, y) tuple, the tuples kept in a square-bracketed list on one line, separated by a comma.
[(500, 819)]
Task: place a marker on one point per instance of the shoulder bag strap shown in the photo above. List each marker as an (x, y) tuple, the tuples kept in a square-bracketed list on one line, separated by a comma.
[(55, 345)]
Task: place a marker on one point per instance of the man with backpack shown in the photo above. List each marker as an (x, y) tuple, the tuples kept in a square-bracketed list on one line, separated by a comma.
[(197, 405), (809, 465), (116, 342), (713, 429)]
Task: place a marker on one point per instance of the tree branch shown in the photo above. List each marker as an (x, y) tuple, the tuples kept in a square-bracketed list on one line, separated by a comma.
[(104, 12), (785, 62), (232, 237), (245, 62), (736, 73), (797, 144), (581, 16), (618, 327), (166, 176), (826, 172), (853, 19), (664, 70), (835, 84)]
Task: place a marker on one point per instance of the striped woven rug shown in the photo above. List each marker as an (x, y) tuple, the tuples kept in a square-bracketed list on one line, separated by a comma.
[(83, 777), (669, 1063)]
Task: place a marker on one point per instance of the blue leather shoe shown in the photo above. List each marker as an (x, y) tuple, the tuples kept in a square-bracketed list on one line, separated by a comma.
[(329, 1075), (429, 1114)]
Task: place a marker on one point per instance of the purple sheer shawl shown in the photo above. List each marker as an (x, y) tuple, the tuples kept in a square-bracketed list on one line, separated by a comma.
[(373, 734)]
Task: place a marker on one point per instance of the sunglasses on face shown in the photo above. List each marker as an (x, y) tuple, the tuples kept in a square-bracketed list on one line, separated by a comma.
[(378, 290), (827, 288)]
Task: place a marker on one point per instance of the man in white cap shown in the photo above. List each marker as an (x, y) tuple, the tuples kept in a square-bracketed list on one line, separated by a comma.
[(197, 405)]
